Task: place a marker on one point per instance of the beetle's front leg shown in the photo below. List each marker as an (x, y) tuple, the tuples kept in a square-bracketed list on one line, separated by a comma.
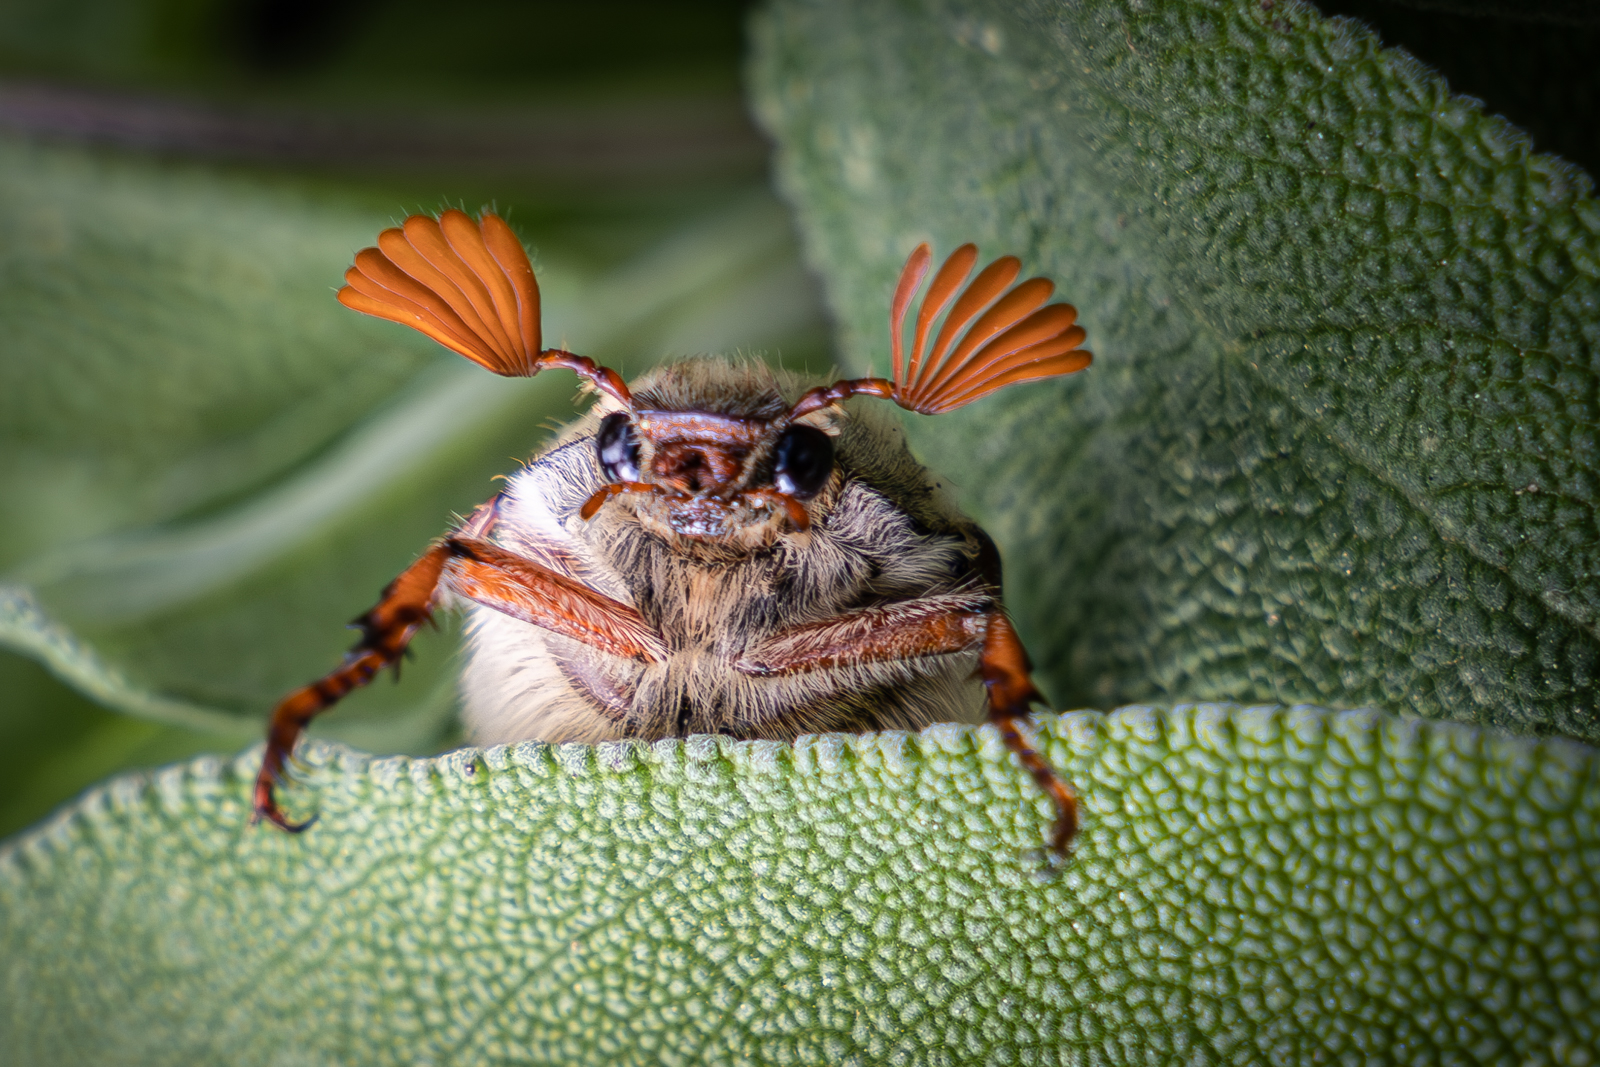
[(467, 565), (931, 626), (1006, 672), (386, 631)]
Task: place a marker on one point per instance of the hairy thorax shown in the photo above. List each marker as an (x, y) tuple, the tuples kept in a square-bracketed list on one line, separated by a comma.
[(884, 538)]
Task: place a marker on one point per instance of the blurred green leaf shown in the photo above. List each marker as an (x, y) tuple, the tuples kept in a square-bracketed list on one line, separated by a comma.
[(55, 742), (141, 464), (1339, 441), (1253, 886), (334, 51)]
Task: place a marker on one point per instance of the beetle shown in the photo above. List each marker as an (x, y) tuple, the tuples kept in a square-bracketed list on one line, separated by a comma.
[(717, 547)]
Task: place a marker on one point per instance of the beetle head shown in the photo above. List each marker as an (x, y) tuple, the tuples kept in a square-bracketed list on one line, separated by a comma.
[(724, 460), (708, 450)]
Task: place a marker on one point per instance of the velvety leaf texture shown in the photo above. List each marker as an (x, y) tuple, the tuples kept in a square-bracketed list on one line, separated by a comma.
[(1339, 441), (1253, 885)]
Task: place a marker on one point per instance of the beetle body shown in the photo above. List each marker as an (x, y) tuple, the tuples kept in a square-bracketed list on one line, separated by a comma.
[(719, 547), (881, 532)]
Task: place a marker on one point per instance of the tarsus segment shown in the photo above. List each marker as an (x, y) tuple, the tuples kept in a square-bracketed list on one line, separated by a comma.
[(1006, 671), (386, 630)]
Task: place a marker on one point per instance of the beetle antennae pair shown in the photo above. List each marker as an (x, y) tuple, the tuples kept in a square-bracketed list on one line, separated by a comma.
[(470, 287)]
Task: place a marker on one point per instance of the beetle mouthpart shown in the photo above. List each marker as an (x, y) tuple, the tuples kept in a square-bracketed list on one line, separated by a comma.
[(798, 515), (592, 506), (702, 519), (692, 468), (700, 516)]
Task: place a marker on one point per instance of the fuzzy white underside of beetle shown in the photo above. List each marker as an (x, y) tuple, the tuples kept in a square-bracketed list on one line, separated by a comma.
[(519, 681)]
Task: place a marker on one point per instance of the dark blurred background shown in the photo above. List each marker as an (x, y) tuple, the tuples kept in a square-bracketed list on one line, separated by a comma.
[(574, 110), (1533, 63)]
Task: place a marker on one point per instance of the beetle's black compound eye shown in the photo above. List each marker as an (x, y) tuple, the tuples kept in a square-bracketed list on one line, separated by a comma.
[(618, 445), (802, 461)]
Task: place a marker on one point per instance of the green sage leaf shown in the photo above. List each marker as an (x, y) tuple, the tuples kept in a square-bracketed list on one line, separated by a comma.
[(1252, 886), (1339, 441)]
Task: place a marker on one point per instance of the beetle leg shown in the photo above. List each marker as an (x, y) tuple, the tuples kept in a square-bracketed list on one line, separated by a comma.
[(1005, 669), (932, 627), (482, 519), (386, 630), (798, 515), (592, 506), (498, 578), (386, 633), (467, 567)]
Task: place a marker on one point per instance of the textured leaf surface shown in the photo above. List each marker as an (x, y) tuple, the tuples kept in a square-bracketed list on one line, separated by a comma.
[(1252, 886), (1339, 442)]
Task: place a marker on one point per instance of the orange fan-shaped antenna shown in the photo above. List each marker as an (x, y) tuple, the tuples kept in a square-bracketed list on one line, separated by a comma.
[(1011, 336), (469, 286)]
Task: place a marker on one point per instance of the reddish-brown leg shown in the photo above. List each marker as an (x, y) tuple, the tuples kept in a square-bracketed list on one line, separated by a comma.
[(386, 630), (931, 627), (1006, 675), (499, 578), (798, 515), (472, 568)]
